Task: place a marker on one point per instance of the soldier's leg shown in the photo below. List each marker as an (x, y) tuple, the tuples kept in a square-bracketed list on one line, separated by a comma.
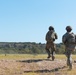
[(53, 54), (53, 48), (48, 52), (69, 59), (47, 49)]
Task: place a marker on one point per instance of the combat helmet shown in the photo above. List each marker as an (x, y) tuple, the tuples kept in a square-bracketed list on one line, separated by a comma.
[(68, 28), (51, 28)]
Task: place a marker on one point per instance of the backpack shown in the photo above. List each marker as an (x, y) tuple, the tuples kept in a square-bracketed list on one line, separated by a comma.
[(50, 36), (75, 38), (71, 38)]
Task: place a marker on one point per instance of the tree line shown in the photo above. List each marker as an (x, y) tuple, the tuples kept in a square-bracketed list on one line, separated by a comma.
[(27, 48)]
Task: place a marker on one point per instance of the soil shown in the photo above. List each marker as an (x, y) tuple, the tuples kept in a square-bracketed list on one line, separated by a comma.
[(40, 66)]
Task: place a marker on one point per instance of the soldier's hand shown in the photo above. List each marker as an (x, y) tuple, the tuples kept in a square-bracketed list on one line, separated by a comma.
[(53, 39)]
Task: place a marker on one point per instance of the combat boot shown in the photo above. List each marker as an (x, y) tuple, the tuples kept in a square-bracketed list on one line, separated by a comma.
[(53, 57), (49, 56), (70, 67)]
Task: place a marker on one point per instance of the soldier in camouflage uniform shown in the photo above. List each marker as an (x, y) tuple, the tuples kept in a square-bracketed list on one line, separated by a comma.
[(50, 38), (69, 45)]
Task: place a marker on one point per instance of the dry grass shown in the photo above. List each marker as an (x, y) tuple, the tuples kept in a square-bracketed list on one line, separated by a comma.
[(10, 65)]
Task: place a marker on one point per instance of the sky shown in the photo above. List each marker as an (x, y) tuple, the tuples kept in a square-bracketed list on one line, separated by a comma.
[(29, 20)]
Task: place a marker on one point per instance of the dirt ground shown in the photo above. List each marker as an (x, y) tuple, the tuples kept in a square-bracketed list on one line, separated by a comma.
[(40, 66)]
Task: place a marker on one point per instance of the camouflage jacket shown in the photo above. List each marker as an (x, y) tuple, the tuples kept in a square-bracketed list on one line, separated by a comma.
[(69, 46), (51, 36)]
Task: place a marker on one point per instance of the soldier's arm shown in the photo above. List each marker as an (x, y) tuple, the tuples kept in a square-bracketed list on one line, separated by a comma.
[(46, 37), (64, 39), (56, 37)]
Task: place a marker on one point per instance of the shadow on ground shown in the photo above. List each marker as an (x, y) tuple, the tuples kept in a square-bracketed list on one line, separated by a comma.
[(46, 70), (33, 60), (43, 65)]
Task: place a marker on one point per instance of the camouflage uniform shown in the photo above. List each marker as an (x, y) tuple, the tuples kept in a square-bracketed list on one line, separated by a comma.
[(50, 44), (69, 48)]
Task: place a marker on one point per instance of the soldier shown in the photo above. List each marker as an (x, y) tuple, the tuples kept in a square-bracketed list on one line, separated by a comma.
[(69, 41), (50, 38)]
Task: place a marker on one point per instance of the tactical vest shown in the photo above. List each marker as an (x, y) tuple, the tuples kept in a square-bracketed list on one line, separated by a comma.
[(50, 36), (69, 38)]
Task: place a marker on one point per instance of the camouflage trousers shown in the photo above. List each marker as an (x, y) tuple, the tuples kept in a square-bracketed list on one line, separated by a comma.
[(68, 51), (50, 48), (69, 58)]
